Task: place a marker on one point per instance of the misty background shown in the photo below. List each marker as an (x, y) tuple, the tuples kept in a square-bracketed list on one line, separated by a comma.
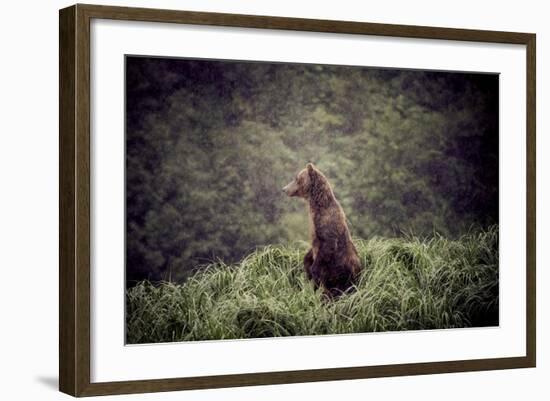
[(210, 144)]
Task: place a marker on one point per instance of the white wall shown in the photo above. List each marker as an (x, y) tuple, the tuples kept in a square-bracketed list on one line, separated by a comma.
[(29, 179)]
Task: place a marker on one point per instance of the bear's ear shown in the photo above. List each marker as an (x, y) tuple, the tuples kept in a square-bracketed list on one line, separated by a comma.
[(311, 172)]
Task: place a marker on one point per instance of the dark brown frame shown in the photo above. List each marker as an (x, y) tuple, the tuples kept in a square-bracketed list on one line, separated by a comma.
[(74, 199)]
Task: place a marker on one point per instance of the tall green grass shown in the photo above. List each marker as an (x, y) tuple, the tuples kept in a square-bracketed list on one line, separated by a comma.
[(406, 284)]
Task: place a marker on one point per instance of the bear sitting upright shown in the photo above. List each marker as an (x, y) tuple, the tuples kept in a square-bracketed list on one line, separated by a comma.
[(332, 261)]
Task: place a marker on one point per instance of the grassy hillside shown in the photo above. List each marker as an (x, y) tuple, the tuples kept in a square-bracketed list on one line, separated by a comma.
[(407, 284)]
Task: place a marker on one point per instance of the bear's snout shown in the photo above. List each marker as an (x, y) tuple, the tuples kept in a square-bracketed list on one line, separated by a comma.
[(290, 189)]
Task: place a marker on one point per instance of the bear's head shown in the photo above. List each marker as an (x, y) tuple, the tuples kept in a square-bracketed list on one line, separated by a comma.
[(307, 182)]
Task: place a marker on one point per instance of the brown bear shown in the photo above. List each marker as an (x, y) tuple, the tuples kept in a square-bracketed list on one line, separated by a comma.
[(332, 262)]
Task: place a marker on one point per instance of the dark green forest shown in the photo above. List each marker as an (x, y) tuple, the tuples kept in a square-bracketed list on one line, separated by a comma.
[(210, 144)]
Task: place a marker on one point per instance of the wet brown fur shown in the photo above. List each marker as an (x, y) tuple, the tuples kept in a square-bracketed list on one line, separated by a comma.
[(332, 262)]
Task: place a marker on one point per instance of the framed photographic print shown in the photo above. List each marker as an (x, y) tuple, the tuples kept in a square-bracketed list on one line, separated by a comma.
[(250, 200)]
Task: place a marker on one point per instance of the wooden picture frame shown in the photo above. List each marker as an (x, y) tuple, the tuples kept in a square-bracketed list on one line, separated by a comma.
[(74, 203)]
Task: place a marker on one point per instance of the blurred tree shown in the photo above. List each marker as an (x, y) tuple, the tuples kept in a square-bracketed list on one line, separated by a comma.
[(211, 143)]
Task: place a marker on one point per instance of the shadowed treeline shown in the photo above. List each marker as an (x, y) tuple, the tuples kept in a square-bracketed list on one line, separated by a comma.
[(210, 145)]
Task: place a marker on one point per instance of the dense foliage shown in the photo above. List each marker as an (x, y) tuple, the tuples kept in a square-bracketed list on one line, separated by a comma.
[(407, 284), (210, 144)]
